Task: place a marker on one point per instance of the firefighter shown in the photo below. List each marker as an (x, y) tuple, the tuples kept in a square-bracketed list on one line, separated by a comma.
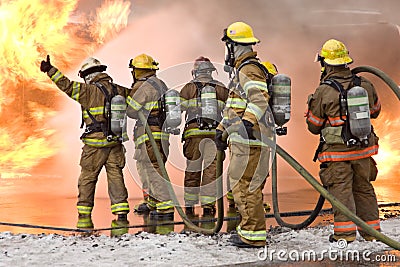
[(145, 96), (203, 100), (245, 107), (97, 151), (347, 168), (272, 70)]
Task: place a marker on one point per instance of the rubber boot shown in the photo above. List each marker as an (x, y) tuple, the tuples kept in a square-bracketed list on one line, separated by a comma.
[(142, 208), (120, 225), (209, 210), (85, 221), (189, 211), (229, 197), (165, 214)]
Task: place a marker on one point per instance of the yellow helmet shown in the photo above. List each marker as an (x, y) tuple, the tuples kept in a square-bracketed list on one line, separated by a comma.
[(239, 32), (143, 61), (270, 67), (335, 53)]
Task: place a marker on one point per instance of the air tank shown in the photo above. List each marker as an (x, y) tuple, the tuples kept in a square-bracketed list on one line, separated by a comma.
[(209, 107), (173, 111), (280, 100), (358, 113), (118, 115)]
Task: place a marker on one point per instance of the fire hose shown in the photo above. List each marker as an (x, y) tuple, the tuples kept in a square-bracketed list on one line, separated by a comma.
[(380, 74), (275, 205)]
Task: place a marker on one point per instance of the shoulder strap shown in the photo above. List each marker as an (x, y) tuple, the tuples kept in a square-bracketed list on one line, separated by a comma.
[(356, 80), (161, 89), (103, 89), (114, 90), (212, 83), (106, 110), (335, 84), (342, 96), (259, 65)]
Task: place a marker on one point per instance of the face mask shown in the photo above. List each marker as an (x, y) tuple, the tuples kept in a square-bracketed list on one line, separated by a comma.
[(88, 78), (229, 57)]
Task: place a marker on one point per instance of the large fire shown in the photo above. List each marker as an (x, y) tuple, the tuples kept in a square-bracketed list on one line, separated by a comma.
[(29, 30), (388, 158)]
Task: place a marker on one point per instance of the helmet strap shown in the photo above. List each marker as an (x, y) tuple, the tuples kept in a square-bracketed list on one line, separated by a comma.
[(133, 75), (230, 55)]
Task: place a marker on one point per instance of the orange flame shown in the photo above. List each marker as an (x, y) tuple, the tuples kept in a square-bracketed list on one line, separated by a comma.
[(388, 158), (29, 30), (107, 24)]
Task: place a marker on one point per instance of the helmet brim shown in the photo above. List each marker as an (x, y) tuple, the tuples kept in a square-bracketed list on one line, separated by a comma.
[(242, 41), (84, 73), (338, 61)]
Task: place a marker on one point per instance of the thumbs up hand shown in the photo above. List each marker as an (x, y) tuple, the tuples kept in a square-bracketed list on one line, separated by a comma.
[(45, 66)]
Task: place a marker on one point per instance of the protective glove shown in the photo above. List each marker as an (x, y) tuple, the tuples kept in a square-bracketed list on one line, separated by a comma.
[(221, 145), (45, 66), (246, 130)]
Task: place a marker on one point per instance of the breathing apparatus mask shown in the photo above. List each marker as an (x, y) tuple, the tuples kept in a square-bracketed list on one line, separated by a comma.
[(229, 52), (320, 59), (88, 78), (229, 57), (90, 69)]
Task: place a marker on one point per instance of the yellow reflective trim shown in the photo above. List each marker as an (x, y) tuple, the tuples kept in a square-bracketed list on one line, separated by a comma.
[(165, 205), (133, 103), (184, 102), (84, 209), (235, 102), (157, 136), (260, 235), (119, 107), (197, 131), (57, 76), (76, 89), (209, 95), (93, 111), (255, 84), (191, 197), (120, 207), (97, 142), (254, 109), (207, 199), (191, 103), (151, 105), (236, 138)]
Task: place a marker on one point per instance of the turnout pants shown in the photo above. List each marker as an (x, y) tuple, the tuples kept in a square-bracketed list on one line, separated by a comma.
[(350, 183), (92, 161), (248, 170), (150, 172), (200, 174)]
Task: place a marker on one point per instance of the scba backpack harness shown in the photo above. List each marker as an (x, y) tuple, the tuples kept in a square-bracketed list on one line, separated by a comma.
[(114, 113)]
